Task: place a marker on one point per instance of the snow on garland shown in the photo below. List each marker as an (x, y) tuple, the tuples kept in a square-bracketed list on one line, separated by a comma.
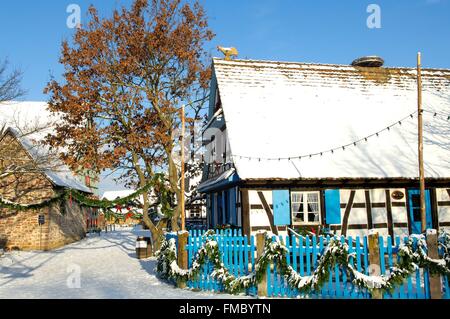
[(83, 200), (168, 268), (336, 253)]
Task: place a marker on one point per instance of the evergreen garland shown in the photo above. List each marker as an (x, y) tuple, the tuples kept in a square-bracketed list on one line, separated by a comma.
[(86, 201), (336, 253)]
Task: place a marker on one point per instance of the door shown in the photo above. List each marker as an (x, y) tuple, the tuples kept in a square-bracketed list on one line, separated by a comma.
[(414, 210)]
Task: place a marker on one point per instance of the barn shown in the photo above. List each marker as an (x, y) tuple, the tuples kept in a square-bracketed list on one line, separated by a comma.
[(32, 174), (309, 147)]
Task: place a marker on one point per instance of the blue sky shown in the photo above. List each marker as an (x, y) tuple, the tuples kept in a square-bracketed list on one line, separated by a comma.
[(326, 31)]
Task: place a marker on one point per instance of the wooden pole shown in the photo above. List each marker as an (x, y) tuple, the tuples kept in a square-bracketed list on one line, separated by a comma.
[(374, 260), (423, 215), (262, 285), (435, 280), (182, 254), (183, 213)]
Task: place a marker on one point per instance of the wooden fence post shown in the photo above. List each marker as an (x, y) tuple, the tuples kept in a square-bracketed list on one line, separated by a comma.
[(262, 286), (182, 254), (374, 260), (435, 280)]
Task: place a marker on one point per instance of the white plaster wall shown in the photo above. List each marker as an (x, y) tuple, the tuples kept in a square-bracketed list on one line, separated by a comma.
[(444, 214), (442, 195), (377, 195), (379, 215), (357, 216), (399, 215), (356, 232), (402, 232), (443, 211), (258, 217), (446, 229), (360, 196)]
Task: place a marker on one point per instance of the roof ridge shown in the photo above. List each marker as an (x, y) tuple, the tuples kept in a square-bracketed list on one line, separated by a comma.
[(216, 59)]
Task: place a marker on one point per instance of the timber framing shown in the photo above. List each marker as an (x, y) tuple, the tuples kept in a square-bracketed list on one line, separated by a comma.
[(341, 183), (268, 212)]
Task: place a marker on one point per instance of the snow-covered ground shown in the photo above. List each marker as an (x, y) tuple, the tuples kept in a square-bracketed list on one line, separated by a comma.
[(102, 266)]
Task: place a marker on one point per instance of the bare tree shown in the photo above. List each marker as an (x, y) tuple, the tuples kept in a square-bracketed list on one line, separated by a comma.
[(10, 83), (17, 165)]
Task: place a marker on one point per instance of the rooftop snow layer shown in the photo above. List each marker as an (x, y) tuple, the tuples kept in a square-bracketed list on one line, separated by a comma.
[(276, 110)]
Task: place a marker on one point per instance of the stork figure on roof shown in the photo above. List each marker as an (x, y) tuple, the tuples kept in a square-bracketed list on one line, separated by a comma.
[(228, 52)]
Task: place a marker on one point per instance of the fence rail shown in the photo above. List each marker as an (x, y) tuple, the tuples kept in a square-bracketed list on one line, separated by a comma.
[(239, 256)]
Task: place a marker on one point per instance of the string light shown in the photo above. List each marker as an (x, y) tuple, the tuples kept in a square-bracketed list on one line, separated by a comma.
[(355, 143)]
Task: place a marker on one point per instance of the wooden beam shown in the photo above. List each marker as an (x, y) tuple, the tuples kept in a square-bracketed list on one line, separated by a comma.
[(245, 211), (268, 212), (434, 209), (389, 214), (423, 213), (183, 211), (408, 212), (368, 210), (347, 213)]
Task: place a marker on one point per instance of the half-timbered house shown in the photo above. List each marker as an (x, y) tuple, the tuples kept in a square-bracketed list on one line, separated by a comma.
[(309, 146)]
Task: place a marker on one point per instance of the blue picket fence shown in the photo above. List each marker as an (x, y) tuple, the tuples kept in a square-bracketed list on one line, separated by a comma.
[(304, 254), (445, 281), (416, 286), (239, 256)]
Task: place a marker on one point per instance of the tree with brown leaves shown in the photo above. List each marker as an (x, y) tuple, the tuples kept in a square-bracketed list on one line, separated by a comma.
[(126, 78)]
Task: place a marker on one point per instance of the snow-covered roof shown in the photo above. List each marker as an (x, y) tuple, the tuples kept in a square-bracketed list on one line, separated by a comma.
[(284, 110), (30, 122)]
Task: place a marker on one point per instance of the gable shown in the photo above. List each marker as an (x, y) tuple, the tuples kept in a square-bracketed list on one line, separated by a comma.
[(36, 121), (24, 184)]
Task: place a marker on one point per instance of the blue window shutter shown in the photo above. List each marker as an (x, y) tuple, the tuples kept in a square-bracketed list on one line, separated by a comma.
[(281, 207), (333, 206)]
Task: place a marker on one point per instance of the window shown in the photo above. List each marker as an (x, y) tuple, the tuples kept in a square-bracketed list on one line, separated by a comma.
[(305, 208), (213, 149), (196, 211), (415, 198)]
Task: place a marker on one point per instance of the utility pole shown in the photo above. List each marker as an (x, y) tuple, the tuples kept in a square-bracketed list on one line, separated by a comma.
[(423, 215), (183, 213)]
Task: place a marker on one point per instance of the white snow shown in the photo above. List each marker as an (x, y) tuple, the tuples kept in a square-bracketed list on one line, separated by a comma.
[(31, 122), (109, 269), (276, 109)]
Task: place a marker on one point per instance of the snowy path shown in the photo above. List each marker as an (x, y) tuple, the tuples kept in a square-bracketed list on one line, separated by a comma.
[(109, 269)]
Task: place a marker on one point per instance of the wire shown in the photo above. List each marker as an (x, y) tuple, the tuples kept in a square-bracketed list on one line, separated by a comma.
[(342, 147)]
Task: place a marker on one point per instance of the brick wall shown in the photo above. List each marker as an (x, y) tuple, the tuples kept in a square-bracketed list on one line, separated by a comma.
[(21, 229)]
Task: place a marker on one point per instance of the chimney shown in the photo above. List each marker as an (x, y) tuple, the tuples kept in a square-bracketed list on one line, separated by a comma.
[(369, 62)]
